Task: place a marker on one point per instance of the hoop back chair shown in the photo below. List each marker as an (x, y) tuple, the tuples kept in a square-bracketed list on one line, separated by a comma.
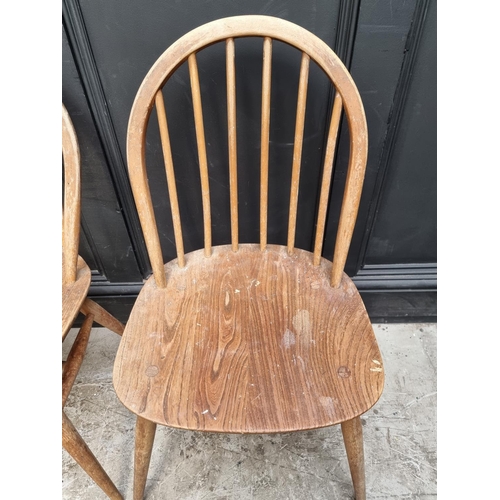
[(76, 277), (254, 337)]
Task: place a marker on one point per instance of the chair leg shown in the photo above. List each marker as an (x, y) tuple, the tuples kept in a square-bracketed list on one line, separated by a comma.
[(102, 316), (75, 445), (144, 437), (75, 357), (353, 441)]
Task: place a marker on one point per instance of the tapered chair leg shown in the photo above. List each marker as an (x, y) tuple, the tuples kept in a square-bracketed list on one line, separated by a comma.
[(144, 438), (353, 441), (75, 357), (78, 449)]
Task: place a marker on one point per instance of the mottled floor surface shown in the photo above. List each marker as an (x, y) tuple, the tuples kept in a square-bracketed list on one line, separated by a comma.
[(399, 433)]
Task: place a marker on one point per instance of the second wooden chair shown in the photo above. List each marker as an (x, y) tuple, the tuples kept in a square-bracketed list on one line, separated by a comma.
[(75, 286)]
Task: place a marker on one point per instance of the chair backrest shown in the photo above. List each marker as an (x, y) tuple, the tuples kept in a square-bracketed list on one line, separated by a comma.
[(71, 204), (346, 99)]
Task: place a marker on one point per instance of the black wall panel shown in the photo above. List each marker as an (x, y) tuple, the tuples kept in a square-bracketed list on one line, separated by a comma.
[(105, 242), (405, 230)]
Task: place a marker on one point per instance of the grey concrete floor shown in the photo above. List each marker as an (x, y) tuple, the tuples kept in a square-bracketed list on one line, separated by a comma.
[(399, 436)]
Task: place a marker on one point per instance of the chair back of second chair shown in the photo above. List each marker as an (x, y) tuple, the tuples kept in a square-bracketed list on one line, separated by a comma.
[(71, 203)]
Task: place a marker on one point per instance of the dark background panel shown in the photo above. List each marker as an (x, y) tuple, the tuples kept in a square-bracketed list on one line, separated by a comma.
[(105, 245), (378, 54), (405, 226)]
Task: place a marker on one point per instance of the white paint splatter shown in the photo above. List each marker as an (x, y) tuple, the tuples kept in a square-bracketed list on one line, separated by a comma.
[(288, 339), (327, 404)]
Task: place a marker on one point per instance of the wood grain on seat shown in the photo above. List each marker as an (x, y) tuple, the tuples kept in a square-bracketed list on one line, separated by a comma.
[(249, 341)]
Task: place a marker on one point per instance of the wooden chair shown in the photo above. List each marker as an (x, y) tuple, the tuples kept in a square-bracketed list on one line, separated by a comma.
[(75, 286), (248, 338)]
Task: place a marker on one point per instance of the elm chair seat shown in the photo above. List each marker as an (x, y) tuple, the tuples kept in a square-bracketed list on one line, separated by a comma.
[(249, 342)]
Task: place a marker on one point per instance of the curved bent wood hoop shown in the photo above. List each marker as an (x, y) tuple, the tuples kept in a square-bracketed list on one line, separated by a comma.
[(268, 28), (71, 208)]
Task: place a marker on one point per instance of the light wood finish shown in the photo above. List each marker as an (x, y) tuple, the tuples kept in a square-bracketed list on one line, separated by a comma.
[(202, 151), (327, 177), (171, 184), (75, 357), (231, 138), (102, 316), (73, 295), (76, 274), (297, 149), (257, 338), (144, 438), (352, 431), (71, 207), (75, 286), (78, 449), (264, 141)]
